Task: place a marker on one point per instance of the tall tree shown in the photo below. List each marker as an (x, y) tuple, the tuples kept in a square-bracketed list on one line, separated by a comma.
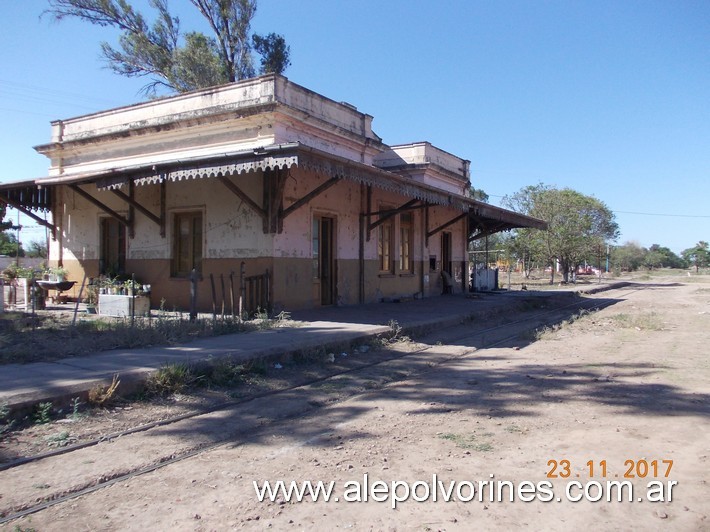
[(8, 242), (478, 194), (628, 257), (9, 245), (577, 226), (663, 257), (526, 244), (180, 62), (37, 249), (4, 225), (274, 52), (698, 256)]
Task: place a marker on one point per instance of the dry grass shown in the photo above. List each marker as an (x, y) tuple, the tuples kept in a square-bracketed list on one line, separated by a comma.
[(550, 332), (49, 335), (468, 441), (101, 395), (645, 321)]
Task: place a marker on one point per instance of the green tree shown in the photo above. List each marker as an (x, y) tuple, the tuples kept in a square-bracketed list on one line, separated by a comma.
[(578, 225), (36, 249), (274, 53), (526, 245), (628, 257), (523, 246), (175, 61), (491, 247), (8, 242), (698, 256), (4, 225), (662, 257), (478, 194), (9, 246), (653, 259)]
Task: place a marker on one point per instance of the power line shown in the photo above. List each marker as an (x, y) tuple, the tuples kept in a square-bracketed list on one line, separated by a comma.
[(667, 215), (68, 96), (664, 214)]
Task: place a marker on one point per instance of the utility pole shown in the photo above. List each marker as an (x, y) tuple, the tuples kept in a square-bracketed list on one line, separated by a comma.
[(18, 227)]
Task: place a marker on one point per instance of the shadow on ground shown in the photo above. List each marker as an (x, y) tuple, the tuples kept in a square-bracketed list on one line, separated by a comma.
[(461, 385)]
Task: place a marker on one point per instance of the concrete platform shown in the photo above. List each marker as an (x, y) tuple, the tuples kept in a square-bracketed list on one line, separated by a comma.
[(25, 385)]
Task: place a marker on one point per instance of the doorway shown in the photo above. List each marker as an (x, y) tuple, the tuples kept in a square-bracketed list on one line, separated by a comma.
[(446, 253), (324, 257), (112, 259)]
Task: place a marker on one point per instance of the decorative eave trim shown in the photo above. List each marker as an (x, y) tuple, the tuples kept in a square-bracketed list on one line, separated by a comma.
[(286, 156)]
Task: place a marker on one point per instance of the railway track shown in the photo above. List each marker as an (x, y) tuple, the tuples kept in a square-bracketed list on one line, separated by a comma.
[(298, 401)]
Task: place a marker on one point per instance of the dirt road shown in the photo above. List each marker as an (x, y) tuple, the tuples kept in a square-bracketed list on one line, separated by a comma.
[(620, 395)]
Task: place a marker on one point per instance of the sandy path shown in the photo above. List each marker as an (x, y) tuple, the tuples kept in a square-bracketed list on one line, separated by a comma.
[(631, 382)]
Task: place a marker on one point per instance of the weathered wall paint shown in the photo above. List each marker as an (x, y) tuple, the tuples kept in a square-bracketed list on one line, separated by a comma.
[(265, 111), (234, 234)]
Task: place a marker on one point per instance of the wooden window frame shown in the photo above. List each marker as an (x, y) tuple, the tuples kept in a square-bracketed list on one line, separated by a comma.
[(195, 243), (385, 247), (406, 233), (122, 246), (315, 246)]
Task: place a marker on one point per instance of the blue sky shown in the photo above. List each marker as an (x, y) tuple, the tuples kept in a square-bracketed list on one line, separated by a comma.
[(610, 98)]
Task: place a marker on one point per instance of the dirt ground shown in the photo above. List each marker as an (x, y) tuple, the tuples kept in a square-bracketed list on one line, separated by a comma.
[(623, 391)]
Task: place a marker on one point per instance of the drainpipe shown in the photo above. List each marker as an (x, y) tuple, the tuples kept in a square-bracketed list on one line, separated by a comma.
[(361, 250), (424, 253)]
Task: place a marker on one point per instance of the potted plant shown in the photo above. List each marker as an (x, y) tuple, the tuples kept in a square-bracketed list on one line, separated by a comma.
[(20, 282), (92, 296), (57, 273), (131, 287), (107, 285)]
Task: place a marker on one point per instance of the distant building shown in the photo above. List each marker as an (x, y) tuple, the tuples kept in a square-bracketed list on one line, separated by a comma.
[(262, 172)]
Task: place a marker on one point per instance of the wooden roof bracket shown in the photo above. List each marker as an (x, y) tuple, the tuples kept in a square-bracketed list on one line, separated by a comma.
[(385, 215), (308, 197), (426, 224), (274, 184), (483, 229), (488, 231), (23, 210), (445, 225), (128, 198), (88, 197), (403, 208), (241, 195)]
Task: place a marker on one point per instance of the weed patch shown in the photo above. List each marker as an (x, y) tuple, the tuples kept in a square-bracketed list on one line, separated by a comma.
[(646, 321), (61, 439), (394, 336), (548, 332), (170, 379), (43, 413), (76, 413), (468, 442), (100, 394), (6, 424), (46, 336)]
